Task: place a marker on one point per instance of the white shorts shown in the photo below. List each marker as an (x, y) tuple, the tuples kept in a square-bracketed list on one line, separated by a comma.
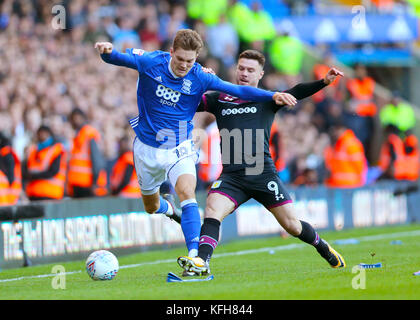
[(154, 165)]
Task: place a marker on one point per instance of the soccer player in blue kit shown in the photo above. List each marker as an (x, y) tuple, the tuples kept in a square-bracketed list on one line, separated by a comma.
[(169, 90)]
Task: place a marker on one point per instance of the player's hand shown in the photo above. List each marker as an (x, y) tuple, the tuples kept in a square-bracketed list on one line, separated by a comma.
[(103, 47), (282, 98), (331, 75), (208, 70)]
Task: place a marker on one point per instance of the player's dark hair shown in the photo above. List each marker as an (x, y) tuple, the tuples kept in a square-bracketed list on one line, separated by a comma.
[(187, 39), (254, 55)]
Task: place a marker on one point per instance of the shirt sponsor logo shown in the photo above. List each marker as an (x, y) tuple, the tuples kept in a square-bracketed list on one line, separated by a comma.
[(227, 112), (169, 97)]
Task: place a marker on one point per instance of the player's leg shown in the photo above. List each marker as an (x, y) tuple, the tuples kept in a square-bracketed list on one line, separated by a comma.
[(304, 231), (150, 175), (271, 192), (218, 206), (183, 177), (225, 195), (155, 203)]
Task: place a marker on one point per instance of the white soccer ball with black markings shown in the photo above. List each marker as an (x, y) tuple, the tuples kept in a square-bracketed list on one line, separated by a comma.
[(102, 265)]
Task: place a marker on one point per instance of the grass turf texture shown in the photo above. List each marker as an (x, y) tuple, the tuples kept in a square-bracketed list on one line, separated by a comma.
[(291, 273)]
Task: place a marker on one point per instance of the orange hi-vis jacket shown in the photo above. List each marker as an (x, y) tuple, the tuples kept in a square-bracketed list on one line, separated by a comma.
[(362, 96), (132, 189), (406, 164), (346, 162), (4, 189), (210, 166), (80, 165), (319, 71), (275, 151), (10, 193), (40, 161), (383, 3)]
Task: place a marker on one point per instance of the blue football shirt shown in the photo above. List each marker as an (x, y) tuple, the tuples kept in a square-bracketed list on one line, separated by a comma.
[(167, 103)]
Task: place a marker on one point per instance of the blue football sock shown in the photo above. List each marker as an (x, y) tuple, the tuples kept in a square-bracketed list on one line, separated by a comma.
[(191, 225), (163, 207)]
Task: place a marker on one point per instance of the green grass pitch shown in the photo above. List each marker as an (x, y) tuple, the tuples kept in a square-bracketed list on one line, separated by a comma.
[(263, 269)]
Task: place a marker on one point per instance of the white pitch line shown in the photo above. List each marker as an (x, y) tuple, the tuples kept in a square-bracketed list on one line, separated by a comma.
[(235, 253), (40, 276)]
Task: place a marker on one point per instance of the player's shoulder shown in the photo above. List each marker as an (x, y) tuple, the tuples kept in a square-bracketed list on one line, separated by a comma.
[(197, 70), (151, 57), (159, 55), (204, 78)]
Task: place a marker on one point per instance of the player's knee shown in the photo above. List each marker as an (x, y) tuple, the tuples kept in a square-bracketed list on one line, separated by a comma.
[(185, 192), (216, 213)]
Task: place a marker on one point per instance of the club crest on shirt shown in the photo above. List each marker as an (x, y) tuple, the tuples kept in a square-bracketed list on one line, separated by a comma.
[(186, 86), (216, 184)]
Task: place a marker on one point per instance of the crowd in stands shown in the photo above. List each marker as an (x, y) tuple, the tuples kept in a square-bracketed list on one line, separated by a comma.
[(49, 75)]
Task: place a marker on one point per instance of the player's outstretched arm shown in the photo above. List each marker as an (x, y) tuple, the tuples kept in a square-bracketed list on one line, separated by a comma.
[(109, 55), (306, 89), (279, 97), (244, 92)]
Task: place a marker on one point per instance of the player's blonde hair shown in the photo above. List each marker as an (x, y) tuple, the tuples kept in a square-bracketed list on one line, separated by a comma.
[(187, 39)]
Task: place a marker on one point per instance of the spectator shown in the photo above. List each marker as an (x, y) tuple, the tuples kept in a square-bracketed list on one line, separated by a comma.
[(123, 178), (125, 36), (319, 71), (308, 177), (262, 25), (286, 56), (207, 11), (345, 159), (398, 114), (210, 161), (44, 171), (399, 157), (222, 41), (361, 106), (239, 16), (276, 145), (86, 171), (10, 173)]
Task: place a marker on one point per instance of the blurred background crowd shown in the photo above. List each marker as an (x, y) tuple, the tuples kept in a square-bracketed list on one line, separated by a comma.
[(53, 83)]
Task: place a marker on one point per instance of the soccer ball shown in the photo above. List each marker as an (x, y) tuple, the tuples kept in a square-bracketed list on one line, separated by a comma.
[(102, 265)]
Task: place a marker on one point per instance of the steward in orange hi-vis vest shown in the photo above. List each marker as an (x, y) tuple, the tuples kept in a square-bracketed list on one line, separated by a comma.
[(10, 174), (362, 89), (399, 158), (86, 169), (123, 178), (45, 169), (210, 165), (345, 161)]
